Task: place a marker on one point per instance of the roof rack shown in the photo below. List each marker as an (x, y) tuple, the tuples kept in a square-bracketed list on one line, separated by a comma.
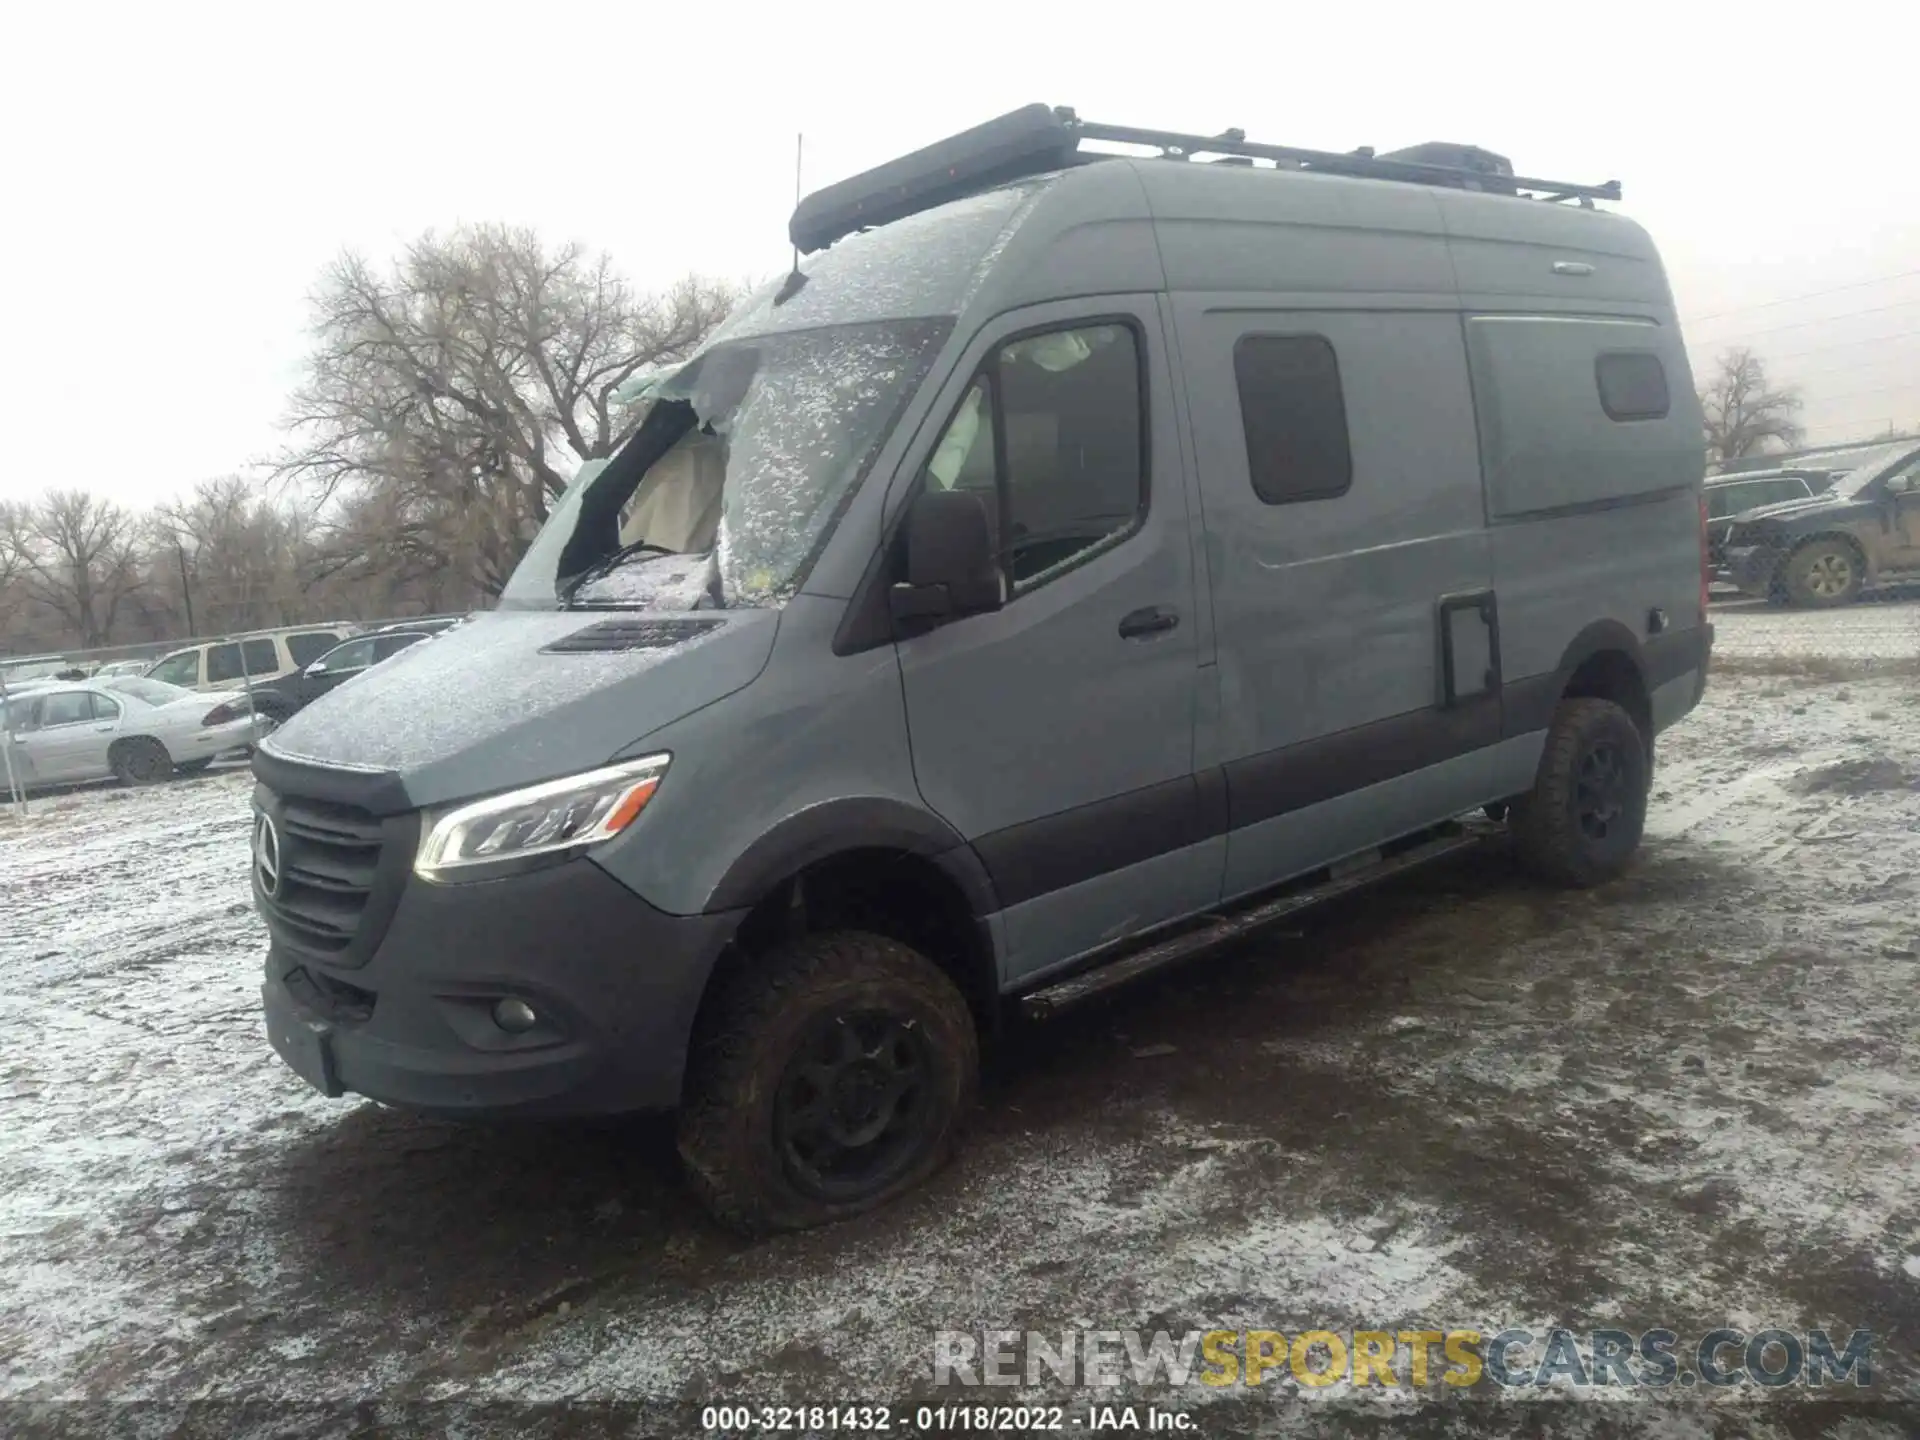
[(1036, 139)]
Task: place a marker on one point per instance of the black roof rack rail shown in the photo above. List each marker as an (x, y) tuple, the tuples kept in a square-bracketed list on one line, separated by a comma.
[(1036, 139)]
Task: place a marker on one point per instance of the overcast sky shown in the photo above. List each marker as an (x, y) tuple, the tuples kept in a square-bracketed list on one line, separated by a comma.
[(180, 173)]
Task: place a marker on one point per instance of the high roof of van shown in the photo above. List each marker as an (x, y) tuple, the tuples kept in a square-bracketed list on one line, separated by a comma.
[(1121, 224)]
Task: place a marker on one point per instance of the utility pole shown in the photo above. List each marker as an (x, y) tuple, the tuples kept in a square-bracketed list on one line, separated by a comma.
[(186, 585)]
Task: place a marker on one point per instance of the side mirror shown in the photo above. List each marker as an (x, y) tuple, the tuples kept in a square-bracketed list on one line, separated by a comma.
[(953, 568), (319, 667)]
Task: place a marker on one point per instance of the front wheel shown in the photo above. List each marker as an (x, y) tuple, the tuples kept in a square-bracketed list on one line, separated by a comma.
[(1581, 822), (1824, 573), (833, 1076)]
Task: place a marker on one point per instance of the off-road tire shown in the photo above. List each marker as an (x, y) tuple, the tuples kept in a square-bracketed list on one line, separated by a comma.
[(735, 1162), (1552, 825), (1814, 568), (141, 760)]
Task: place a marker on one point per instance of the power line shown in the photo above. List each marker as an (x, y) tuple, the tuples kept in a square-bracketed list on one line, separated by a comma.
[(1744, 335), (1795, 299), (1819, 349)]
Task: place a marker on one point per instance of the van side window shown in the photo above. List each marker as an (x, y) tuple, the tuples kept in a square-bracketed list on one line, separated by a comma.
[(1295, 417), (1052, 426), (1633, 385)]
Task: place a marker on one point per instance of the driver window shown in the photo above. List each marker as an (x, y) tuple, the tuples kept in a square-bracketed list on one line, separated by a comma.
[(68, 707), (356, 655), (1063, 409)]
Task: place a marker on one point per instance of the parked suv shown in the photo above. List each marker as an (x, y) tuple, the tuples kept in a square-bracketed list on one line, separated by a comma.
[(1828, 549), (1732, 495), (353, 658), (1083, 564), (268, 662)]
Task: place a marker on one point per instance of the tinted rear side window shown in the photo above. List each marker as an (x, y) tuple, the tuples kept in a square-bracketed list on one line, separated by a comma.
[(1633, 385), (1295, 417), (309, 647)]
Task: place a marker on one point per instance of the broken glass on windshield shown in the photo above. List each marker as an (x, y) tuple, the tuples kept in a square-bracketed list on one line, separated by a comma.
[(734, 480)]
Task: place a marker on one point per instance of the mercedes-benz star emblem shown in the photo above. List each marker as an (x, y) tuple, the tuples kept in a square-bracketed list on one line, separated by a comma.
[(266, 855)]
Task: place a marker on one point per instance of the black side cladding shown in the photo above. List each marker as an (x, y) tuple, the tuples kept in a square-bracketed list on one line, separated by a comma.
[(1027, 141)]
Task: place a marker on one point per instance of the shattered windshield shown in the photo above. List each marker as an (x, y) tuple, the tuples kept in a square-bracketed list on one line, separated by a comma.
[(726, 492)]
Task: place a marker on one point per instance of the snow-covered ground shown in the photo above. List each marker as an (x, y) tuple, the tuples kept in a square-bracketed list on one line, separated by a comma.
[(1689, 1099)]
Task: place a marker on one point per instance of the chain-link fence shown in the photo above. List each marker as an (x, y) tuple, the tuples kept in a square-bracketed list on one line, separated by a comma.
[(1818, 569)]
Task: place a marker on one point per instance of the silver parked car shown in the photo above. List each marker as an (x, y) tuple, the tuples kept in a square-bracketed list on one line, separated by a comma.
[(127, 728)]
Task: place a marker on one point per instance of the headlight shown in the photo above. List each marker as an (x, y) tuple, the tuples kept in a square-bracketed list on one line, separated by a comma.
[(562, 816)]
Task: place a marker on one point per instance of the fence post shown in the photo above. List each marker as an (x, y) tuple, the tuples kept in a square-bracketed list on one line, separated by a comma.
[(16, 791), (246, 681)]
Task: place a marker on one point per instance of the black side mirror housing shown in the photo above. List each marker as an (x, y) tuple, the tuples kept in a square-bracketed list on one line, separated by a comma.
[(953, 565)]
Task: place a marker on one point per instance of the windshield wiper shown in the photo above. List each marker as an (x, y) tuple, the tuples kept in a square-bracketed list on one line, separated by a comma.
[(606, 564)]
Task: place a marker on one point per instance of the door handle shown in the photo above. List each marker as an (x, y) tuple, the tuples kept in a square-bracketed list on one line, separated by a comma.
[(1153, 620)]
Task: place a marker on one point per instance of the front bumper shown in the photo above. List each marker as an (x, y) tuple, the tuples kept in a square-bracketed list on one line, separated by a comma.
[(1753, 567), (616, 985)]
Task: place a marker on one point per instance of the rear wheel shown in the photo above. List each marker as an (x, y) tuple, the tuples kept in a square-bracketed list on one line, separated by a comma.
[(141, 760), (834, 1075), (1581, 822), (1824, 573)]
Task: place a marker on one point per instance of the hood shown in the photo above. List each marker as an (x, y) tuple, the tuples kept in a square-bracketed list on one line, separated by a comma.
[(1826, 504), (516, 697)]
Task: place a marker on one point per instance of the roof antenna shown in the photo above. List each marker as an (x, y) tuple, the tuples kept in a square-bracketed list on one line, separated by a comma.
[(790, 287)]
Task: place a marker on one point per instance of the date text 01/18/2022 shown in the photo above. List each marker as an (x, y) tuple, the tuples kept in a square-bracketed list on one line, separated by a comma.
[(939, 1419)]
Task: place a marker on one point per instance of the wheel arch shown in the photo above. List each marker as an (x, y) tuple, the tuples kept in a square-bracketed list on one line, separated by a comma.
[(1843, 537), (870, 863), (1604, 661)]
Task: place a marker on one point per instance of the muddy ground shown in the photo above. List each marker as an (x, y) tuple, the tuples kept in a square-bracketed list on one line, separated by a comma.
[(1690, 1099)]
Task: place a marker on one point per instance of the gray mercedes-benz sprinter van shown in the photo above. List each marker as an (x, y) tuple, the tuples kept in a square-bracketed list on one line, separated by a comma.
[(1079, 559)]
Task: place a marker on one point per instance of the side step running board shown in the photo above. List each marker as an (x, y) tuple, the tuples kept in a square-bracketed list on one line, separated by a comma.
[(1052, 999)]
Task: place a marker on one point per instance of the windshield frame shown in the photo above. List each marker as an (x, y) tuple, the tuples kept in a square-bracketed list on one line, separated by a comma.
[(566, 548)]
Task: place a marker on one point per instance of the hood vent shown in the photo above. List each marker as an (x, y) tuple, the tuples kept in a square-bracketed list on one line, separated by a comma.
[(630, 634)]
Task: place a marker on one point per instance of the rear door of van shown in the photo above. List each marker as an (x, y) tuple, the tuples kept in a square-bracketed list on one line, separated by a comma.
[(1591, 439)]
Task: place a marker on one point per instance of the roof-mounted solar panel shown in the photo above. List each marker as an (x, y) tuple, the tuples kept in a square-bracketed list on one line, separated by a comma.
[(1036, 139)]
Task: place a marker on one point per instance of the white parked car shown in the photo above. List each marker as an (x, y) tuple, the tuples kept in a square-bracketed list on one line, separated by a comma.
[(127, 728)]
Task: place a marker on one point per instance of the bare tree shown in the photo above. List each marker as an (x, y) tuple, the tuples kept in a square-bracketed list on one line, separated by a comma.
[(227, 552), (1744, 414), (13, 564), (466, 385), (81, 560)]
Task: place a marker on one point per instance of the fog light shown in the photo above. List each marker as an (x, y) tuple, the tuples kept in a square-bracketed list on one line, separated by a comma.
[(516, 1017)]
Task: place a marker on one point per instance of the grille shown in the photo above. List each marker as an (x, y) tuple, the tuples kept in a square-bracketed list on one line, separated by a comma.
[(329, 858)]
